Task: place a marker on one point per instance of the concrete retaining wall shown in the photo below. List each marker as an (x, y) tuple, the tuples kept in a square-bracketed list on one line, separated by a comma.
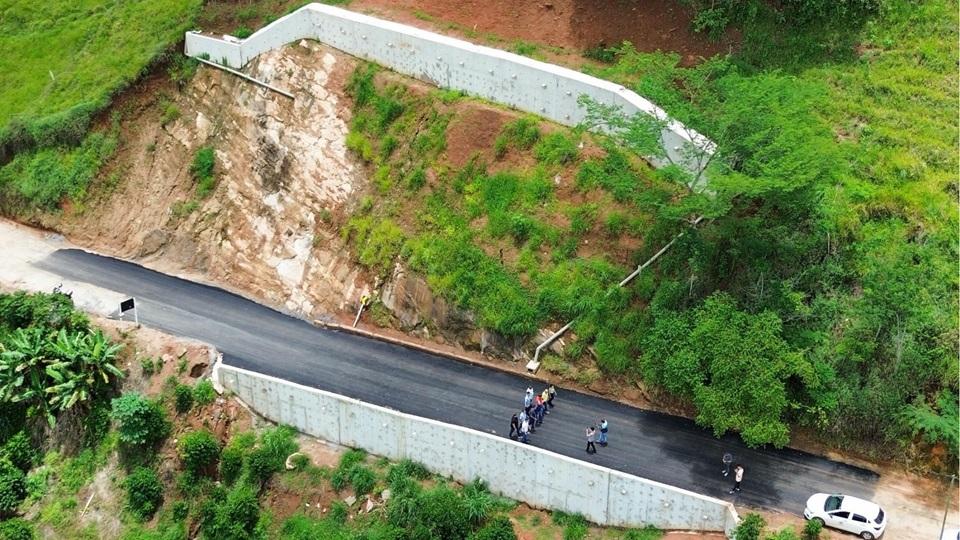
[(544, 89), (526, 473)]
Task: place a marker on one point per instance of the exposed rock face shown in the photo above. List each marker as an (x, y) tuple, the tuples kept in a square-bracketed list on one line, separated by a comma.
[(281, 166)]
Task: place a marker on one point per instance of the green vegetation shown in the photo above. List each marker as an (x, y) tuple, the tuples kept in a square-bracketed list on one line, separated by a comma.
[(204, 393), (202, 169), (182, 398), (199, 452), (140, 421), (817, 282), (91, 50), (144, 493)]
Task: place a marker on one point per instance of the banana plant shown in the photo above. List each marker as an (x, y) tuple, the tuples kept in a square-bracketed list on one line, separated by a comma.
[(55, 372)]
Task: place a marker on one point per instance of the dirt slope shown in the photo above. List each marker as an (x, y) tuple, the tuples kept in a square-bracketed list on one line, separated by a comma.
[(282, 169)]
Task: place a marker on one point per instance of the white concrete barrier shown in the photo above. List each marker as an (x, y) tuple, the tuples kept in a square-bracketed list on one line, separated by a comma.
[(544, 89), (535, 476)]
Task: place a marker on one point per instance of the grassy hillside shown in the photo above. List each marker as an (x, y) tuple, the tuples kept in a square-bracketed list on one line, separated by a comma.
[(62, 56), (820, 292)]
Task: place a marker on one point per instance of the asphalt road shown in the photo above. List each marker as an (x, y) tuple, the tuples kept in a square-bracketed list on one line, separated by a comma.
[(660, 447)]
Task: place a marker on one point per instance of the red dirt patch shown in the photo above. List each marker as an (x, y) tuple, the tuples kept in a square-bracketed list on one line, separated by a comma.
[(651, 25), (474, 132)]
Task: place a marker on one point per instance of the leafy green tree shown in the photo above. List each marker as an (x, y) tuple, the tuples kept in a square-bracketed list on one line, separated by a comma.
[(734, 365), (232, 515), (16, 529), (940, 425)]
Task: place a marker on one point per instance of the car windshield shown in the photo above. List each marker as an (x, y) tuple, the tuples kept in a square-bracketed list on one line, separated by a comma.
[(879, 517), (833, 502)]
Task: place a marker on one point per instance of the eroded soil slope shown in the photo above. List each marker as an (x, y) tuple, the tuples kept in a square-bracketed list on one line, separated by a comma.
[(651, 25), (282, 170)]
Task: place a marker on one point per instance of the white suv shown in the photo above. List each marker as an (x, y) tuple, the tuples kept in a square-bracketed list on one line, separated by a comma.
[(847, 513)]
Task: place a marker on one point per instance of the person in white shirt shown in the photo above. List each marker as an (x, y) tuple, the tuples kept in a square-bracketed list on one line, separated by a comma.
[(737, 478)]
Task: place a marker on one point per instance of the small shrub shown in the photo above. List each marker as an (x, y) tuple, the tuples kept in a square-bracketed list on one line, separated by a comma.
[(615, 223), (498, 528), (242, 32), (339, 511), (522, 134), (556, 149), (180, 510), (199, 452), (16, 529), (750, 527), (407, 469), (183, 398), (362, 479), (271, 455), (477, 501), (234, 454), (169, 114), (13, 487), (525, 48), (582, 219), (202, 168), (300, 461), (20, 451), (232, 514), (148, 367), (38, 481), (204, 393), (417, 179), (812, 530), (601, 53), (139, 420), (144, 493), (360, 145)]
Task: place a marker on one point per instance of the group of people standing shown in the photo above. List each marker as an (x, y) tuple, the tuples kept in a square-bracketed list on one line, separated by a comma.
[(535, 408)]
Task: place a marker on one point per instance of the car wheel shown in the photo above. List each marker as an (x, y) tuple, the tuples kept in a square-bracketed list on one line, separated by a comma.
[(866, 535)]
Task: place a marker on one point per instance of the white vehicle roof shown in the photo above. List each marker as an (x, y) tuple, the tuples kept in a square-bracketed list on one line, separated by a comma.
[(866, 509)]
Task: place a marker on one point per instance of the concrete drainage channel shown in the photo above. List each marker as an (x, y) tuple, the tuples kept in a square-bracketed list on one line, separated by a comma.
[(604, 496)]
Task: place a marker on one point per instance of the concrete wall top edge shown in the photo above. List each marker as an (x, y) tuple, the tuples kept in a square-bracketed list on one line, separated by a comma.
[(635, 100)]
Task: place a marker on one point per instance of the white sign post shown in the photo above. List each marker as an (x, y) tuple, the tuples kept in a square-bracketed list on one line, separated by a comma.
[(127, 305)]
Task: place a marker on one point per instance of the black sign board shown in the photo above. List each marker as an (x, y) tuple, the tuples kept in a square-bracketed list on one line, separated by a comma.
[(126, 305)]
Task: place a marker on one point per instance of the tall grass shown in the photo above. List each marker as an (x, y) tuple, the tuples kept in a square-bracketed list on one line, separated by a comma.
[(62, 60)]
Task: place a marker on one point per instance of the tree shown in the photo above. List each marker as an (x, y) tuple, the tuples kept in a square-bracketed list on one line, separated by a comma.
[(140, 422), (734, 365)]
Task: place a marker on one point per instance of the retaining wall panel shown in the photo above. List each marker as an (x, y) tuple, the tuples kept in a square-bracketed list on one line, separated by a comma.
[(377, 430), (537, 477)]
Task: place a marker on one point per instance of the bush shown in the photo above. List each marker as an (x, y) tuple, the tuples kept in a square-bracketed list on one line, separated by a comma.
[(750, 527), (339, 511), (811, 530), (271, 455), (183, 398), (16, 529), (13, 487), (144, 493), (199, 452), (230, 515), (202, 169), (204, 393), (20, 451), (498, 528), (234, 455), (362, 479), (139, 421), (556, 149), (242, 32), (477, 501), (406, 469)]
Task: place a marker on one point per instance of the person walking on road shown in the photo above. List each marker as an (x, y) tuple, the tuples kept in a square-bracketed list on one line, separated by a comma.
[(528, 400), (591, 433), (727, 460), (538, 409), (525, 431), (514, 427), (553, 393), (604, 427), (737, 478), (545, 398)]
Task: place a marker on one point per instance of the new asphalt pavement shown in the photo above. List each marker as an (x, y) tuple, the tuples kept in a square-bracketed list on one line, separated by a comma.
[(652, 445)]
